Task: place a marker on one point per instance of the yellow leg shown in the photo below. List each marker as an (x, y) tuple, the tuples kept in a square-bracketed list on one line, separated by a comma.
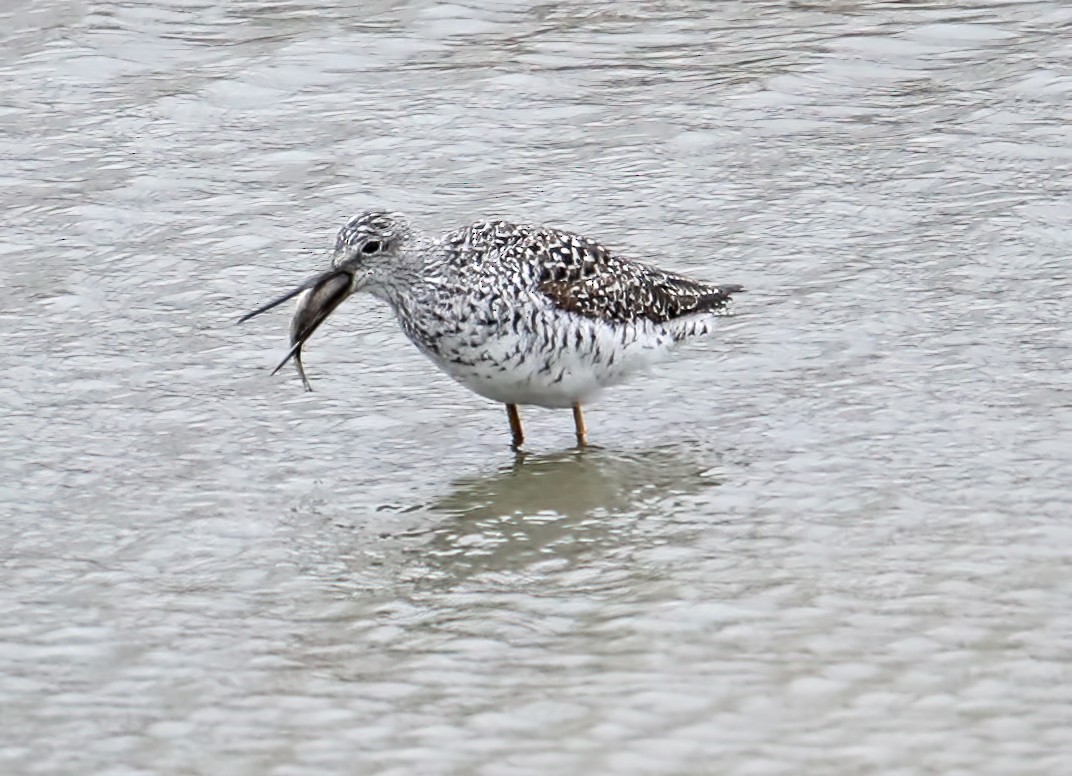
[(578, 422), (515, 425)]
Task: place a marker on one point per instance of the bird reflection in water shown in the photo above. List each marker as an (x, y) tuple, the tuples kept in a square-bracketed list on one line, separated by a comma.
[(558, 506)]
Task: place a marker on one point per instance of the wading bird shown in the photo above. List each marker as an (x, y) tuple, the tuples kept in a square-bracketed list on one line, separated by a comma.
[(519, 314)]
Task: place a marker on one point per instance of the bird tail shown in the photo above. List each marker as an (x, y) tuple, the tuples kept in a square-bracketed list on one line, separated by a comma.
[(714, 303), (719, 297)]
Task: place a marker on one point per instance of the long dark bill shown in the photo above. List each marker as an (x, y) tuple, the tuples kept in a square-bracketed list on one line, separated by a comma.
[(325, 294), (288, 295)]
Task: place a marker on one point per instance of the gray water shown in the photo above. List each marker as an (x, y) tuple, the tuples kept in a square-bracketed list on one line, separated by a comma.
[(836, 539)]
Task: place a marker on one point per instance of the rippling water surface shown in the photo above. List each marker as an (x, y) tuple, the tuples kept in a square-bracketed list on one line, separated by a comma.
[(835, 540)]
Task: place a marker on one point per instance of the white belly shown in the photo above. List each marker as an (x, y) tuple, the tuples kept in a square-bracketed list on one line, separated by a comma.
[(568, 366)]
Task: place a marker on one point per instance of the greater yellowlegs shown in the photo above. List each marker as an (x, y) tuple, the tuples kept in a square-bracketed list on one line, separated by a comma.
[(519, 314)]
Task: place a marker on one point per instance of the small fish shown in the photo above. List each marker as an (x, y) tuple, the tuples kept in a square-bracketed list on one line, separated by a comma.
[(297, 325), (317, 299)]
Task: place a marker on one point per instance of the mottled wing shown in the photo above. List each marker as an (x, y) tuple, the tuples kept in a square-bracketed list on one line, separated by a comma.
[(585, 278)]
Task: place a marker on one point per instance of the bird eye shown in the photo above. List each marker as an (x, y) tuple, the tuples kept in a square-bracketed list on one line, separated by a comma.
[(371, 247)]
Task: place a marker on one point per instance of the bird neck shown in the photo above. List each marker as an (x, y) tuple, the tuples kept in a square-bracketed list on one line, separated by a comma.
[(398, 282)]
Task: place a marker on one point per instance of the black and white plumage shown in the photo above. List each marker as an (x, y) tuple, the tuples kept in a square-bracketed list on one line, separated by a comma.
[(519, 314)]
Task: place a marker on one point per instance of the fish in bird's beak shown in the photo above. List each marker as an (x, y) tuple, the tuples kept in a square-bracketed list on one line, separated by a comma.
[(318, 298)]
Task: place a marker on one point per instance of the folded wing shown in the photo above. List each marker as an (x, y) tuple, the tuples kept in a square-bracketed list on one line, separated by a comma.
[(589, 280)]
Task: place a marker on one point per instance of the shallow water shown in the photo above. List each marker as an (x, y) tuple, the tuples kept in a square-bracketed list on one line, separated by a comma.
[(836, 539)]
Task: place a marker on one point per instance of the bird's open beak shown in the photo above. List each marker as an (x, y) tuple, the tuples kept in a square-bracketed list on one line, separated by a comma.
[(323, 294)]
